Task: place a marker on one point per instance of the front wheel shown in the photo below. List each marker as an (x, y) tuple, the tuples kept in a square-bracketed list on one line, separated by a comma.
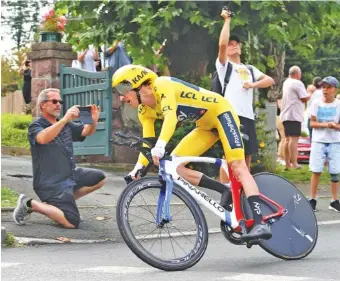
[(294, 234), (171, 246)]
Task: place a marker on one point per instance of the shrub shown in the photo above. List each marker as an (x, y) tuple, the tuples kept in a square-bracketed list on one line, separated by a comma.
[(10, 241), (14, 130)]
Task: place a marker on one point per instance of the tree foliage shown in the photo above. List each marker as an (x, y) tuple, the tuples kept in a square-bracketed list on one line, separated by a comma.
[(22, 18), (273, 32)]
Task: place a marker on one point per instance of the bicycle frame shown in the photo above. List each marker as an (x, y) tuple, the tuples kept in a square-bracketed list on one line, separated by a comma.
[(235, 218)]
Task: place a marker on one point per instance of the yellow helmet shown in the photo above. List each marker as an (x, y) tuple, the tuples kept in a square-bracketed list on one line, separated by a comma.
[(130, 77)]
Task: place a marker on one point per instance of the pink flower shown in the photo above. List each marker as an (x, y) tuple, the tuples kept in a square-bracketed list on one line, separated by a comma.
[(51, 13), (60, 26), (62, 19)]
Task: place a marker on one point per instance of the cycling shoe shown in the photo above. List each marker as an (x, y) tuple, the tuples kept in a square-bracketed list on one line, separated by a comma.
[(259, 231)]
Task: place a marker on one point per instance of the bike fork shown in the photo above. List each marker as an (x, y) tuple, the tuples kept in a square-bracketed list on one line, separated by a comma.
[(163, 204)]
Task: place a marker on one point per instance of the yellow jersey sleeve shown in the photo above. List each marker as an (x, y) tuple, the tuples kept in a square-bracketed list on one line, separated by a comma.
[(148, 125), (165, 90)]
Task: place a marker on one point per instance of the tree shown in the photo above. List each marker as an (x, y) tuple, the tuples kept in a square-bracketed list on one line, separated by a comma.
[(11, 80), (22, 18), (270, 29)]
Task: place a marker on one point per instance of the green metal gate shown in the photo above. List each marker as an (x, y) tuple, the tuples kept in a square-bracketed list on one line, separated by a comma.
[(80, 87)]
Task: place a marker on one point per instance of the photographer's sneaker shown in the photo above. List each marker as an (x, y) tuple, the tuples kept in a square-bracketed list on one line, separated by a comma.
[(22, 211), (313, 204), (335, 206)]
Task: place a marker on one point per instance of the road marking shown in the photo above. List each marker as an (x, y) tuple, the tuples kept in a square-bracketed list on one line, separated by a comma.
[(212, 231), (9, 264), (329, 222), (261, 277), (120, 269)]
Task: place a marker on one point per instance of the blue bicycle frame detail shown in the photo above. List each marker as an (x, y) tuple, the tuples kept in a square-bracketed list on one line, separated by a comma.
[(163, 204), (227, 218), (164, 198)]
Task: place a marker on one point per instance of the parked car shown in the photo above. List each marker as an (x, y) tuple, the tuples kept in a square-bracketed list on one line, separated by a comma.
[(304, 147)]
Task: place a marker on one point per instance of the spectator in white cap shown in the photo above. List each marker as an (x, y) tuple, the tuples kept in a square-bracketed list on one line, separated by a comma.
[(325, 121)]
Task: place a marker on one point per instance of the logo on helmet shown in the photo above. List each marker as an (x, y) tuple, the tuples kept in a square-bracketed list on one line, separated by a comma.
[(140, 76)]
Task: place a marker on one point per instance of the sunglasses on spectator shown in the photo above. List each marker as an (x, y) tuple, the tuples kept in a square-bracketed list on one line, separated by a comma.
[(54, 101)]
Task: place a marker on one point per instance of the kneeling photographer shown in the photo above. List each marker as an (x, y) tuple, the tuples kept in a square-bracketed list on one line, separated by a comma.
[(56, 180)]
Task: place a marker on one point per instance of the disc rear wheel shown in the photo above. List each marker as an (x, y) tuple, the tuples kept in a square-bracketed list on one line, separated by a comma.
[(295, 234)]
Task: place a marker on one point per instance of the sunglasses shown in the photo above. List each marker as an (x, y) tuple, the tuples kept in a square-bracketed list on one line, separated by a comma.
[(54, 101)]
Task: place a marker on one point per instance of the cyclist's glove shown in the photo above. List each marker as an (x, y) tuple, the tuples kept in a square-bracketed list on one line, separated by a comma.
[(159, 149), (136, 172)]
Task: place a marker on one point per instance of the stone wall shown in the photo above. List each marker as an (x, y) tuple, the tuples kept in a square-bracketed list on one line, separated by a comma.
[(13, 103), (47, 58)]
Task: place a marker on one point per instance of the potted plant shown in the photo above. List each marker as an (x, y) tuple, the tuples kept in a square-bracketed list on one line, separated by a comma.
[(52, 27)]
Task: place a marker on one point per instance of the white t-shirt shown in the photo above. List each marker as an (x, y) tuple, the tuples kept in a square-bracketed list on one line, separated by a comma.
[(315, 96), (88, 62), (241, 99), (292, 107), (76, 64), (326, 112)]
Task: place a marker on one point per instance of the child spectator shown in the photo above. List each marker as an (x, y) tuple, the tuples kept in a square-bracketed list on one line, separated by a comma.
[(325, 121)]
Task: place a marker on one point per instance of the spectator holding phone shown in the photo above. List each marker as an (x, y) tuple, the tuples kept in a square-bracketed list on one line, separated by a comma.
[(56, 179), (26, 70), (239, 90), (117, 56)]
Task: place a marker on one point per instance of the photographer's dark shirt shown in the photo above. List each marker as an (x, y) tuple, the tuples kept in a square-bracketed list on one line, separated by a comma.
[(53, 163)]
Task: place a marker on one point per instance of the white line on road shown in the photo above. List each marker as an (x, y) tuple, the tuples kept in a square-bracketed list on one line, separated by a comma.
[(261, 277), (9, 264), (120, 269), (210, 231), (329, 222)]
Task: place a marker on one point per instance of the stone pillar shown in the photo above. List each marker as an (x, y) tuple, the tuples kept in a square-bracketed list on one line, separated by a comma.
[(46, 59)]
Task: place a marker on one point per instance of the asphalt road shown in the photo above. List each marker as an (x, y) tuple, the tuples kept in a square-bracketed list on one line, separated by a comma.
[(222, 261)]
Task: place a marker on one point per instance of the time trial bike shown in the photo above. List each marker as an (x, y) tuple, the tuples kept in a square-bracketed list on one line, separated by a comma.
[(152, 212)]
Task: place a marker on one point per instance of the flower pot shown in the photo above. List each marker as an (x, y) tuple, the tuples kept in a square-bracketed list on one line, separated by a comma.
[(50, 36)]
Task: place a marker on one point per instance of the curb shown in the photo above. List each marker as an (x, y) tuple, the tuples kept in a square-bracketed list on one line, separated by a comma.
[(3, 235), (14, 150), (30, 241), (11, 209)]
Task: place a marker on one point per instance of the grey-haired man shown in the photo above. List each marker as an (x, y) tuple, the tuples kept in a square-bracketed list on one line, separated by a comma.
[(56, 180)]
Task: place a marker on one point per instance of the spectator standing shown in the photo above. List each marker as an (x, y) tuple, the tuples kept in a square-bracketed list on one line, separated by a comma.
[(325, 121), (56, 179), (117, 56), (26, 71), (240, 89), (294, 97), (315, 94), (87, 59)]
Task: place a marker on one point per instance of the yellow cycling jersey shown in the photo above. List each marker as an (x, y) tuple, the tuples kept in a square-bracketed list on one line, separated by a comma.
[(180, 101)]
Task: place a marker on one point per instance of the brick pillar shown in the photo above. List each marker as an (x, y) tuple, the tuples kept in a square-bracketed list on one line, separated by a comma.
[(46, 59)]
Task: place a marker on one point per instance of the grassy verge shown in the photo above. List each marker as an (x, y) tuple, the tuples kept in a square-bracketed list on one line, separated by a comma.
[(10, 241), (14, 130), (8, 197), (302, 175)]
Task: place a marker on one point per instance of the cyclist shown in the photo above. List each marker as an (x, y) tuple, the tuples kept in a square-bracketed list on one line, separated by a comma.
[(174, 100)]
